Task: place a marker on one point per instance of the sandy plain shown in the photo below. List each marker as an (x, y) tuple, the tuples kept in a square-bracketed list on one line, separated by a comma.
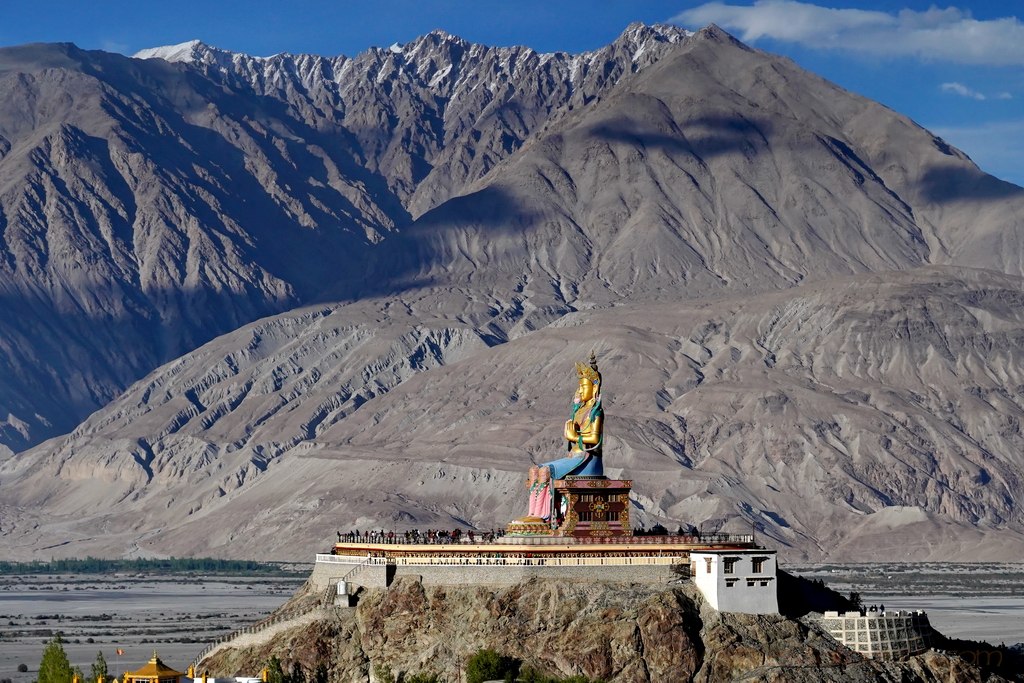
[(173, 614)]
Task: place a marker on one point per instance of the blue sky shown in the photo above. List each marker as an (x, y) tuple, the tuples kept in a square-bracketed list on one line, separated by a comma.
[(956, 69)]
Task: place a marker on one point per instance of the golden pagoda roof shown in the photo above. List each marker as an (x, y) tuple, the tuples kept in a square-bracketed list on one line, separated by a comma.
[(155, 668)]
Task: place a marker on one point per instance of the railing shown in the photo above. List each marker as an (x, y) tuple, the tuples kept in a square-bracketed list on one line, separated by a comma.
[(605, 560), (326, 599), (355, 570), (689, 539)]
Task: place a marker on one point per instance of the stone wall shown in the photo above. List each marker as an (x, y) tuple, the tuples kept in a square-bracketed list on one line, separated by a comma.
[(371, 576), (379, 576), (880, 635)]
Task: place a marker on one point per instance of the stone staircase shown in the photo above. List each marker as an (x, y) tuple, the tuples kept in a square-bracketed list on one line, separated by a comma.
[(244, 635)]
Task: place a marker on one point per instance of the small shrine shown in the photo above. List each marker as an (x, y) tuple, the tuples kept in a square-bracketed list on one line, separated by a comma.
[(154, 671), (570, 496)]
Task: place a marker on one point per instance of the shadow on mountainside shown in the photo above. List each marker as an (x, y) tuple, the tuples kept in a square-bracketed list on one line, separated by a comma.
[(948, 184), (465, 234), (703, 136)]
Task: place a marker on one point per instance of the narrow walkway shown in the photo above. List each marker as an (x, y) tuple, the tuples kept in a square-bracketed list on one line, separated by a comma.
[(264, 630)]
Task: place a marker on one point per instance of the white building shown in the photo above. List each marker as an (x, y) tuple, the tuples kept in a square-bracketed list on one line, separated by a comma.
[(737, 580)]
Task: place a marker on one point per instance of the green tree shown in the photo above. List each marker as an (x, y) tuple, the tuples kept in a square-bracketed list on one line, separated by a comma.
[(488, 665), (275, 674), (531, 675), (54, 666), (99, 668)]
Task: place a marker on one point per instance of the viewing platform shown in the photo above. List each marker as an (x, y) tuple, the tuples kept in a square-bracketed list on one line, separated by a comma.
[(526, 547), (509, 559)]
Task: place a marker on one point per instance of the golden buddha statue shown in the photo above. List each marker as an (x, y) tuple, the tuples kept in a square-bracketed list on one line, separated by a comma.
[(583, 433), (584, 430)]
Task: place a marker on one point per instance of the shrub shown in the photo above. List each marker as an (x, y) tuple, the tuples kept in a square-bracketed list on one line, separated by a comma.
[(22, 668), (488, 665), (422, 678), (382, 673), (531, 675)]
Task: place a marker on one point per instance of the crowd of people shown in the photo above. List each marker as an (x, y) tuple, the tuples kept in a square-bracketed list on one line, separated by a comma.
[(449, 536), (430, 536)]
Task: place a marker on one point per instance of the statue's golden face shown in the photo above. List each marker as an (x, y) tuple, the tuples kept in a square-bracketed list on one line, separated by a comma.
[(586, 391)]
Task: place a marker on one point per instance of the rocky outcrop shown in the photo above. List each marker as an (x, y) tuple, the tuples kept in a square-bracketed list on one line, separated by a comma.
[(614, 632)]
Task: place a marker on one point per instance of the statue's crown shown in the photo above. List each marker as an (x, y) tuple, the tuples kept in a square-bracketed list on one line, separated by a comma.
[(590, 372)]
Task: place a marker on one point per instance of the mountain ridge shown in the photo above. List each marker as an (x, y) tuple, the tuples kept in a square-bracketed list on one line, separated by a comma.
[(171, 182), (811, 296)]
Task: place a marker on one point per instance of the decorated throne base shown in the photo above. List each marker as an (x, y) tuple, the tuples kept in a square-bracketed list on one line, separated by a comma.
[(583, 507)]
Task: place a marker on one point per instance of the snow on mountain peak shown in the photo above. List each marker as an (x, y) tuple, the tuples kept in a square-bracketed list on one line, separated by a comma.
[(182, 52)]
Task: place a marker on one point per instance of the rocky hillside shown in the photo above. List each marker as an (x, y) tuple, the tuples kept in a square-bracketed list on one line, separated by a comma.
[(147, 206), (866, 417), (615, 633)]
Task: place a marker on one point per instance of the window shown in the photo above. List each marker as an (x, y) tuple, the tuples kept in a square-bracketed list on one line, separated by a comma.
[(729, 563), (758, 563), (707, 562), (750, 583), (729, 583)]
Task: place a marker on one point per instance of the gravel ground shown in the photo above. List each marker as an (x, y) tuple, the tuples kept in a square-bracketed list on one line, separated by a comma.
[(175, 615)]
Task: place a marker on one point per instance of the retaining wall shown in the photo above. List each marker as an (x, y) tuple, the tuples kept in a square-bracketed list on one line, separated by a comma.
[(326, 573), (881, 635), (379, 576)]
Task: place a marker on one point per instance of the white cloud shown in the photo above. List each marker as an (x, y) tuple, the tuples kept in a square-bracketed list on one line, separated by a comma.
[(962, 90), (949, 34), (1004, 96)]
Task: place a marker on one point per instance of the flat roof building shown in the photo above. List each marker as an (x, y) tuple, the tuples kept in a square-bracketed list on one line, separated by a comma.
[(737, 579)]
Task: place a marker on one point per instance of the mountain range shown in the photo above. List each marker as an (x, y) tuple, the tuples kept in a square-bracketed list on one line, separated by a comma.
[(250, 301)]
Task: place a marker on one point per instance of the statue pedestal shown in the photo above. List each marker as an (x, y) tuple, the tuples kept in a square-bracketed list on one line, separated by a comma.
[(529, 526), (592, 507)]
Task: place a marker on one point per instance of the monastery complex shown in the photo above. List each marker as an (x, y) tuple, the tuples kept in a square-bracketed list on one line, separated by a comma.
[(577, 529)]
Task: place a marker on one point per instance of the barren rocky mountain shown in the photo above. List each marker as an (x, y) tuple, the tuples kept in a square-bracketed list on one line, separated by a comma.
[(148, 206), (842, 418), (806, 306)]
